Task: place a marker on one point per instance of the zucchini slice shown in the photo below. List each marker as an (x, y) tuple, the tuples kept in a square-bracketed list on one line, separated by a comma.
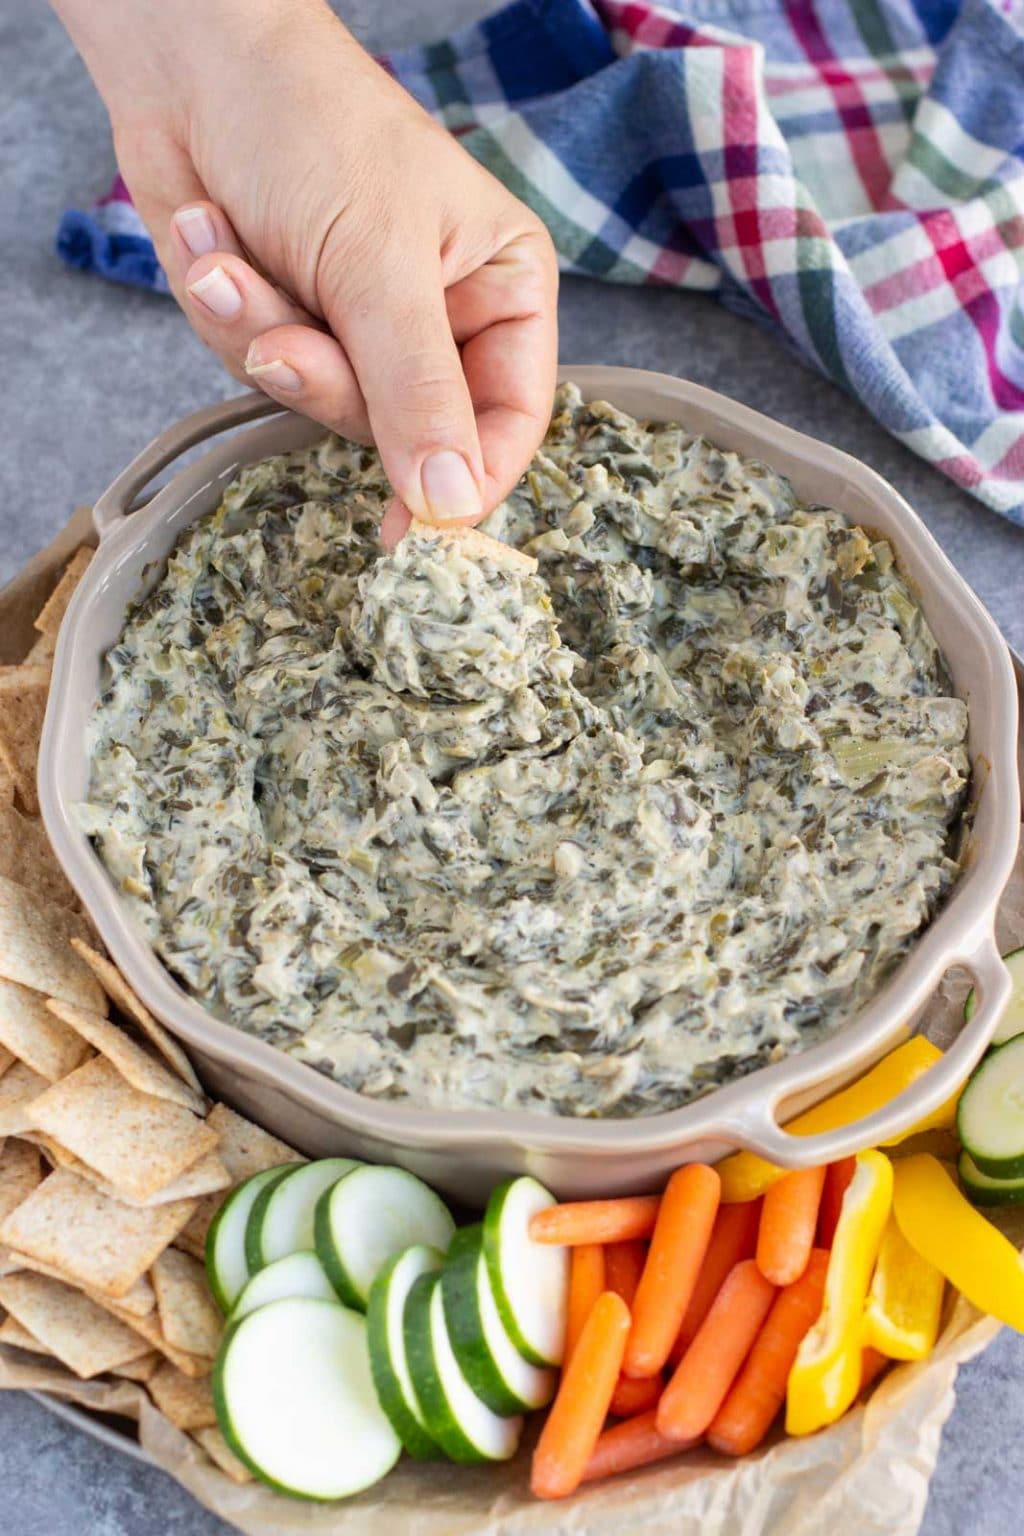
[(384, 1320), (487, 1356), (297, 1274), (983, 1189), (226, 1266), (530, 1280), (1012, 1021), (295, 1399), (990, 1115), (369, 1216), (281, 1220), (463, 1426)]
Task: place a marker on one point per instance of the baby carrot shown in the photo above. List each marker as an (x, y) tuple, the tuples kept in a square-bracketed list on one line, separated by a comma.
[(759, 1390), (733, 1237), (596, 1221), (678, 1246), (838, 1177), (580, 1408), (635, 1394), (707, 1370), (623, 1266), (633, 1443), (586, 1282), (788, 1221)]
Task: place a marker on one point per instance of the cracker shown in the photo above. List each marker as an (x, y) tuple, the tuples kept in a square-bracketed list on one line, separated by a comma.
[(121, 994), (19, 1086), (207, 1175), (137, 1302), (6, 784), (51, 615), (96, 1242), (27, 858), (187, 1401), (20, 1172), (38, 1039), (136, 1065), (11, 1332), (23, 693), (83, 1336), (244, 1149), (142, 1368), (41, 653), (7, 1059), (221, 1454), (148, 1328), (136, 1142), (34, 949), (476, 545), (189, 1316)]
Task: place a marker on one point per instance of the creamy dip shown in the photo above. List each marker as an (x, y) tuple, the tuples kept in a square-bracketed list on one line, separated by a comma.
[(589, 841)]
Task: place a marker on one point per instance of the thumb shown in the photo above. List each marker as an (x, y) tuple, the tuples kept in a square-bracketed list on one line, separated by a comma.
[(398, 339)]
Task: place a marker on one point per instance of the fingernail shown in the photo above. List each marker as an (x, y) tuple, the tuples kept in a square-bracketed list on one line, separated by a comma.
[(278, 374), (448, 487), (197, 230), (218, 293)]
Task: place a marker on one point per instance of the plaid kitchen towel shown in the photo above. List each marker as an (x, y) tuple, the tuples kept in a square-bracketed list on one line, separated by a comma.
[(848, 172)]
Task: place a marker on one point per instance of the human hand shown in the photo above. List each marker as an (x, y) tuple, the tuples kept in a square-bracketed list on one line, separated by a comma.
[(330, 242)]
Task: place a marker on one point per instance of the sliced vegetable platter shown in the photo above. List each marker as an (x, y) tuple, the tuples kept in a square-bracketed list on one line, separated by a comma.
[(362, 1323)]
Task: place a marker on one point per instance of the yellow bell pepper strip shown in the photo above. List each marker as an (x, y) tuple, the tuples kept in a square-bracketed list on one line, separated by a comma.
[(946, 1230), (826, 1373), (905, 1301), (745, 1176)]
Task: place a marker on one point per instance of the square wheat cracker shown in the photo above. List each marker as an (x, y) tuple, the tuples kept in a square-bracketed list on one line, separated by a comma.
[(27, 858), (137, 1301), (189, 1316), (19, 1087), (138, 1143), (135, 1064), (149, 1329), (221, 1454), (142, 1368), (20, 1172), (122, 995), (50, 617), (84, 1337), (244, 1149), (11, 1332), (187, 1401), (98, 1243), (42, 1042), (205, 1176), (34, 948), (23, 692)]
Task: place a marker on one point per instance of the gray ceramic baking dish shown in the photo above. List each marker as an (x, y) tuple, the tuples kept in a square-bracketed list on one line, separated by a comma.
[(465, 1151)]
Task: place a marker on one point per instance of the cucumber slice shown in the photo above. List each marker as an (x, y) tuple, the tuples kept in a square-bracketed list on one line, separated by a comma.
[(463, 1426), (1012, 1021), (298, 1274), (983, 1189), (487, 1356), (368, 1217), (226, 1267), (990, 1115), (384, 1319), (530, 1280), (295, 1399), (281, 1220)]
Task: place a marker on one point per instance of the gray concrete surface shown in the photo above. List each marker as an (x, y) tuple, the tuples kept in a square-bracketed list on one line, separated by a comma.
[(90, 372)]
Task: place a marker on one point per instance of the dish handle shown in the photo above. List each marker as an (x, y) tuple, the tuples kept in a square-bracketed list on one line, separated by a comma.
[(761, 1133), (116, 502)]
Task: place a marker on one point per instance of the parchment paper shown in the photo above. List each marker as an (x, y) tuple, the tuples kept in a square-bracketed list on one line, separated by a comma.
[(866, 1476)]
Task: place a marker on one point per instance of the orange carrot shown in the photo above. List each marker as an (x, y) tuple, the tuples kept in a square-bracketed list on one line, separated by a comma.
[(586, 1282), (633, 1443), (733, 1237), (678, 1245), (838, 1177), (624, 1264), (872, 1364), (596, 1221), (635, 1394), (759, 1390), (580, 1408), (788, 1221), (707, 1370)]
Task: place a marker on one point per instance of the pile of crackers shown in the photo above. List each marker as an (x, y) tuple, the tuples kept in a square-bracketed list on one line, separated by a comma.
[(113, 1162)]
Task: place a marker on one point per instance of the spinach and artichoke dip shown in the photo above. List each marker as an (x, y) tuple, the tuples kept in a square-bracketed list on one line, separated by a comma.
[(588, 841)]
